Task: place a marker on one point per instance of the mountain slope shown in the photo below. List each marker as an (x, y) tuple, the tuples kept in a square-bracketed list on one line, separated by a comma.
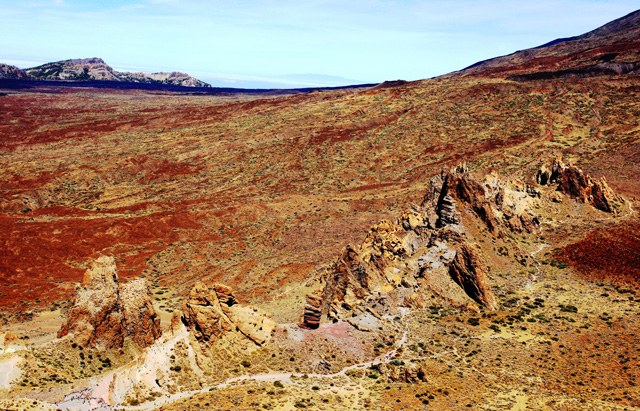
[(96, 69), (611, 49), (12, 72)]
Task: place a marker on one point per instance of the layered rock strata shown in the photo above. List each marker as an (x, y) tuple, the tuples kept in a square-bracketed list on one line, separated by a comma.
[(104, 313)]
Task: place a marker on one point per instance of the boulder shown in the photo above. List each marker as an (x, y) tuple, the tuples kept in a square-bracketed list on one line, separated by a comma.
[(212, 313), (409, 373)]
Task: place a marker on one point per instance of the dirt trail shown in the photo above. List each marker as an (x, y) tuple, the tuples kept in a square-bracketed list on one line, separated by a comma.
[(9, 371), (538, 271)]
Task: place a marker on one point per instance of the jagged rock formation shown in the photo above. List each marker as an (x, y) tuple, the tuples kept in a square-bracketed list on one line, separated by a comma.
[(212, 313), (96, 69), (469, 272), (572, 181), (104, 312), (429, 248), (426, 250)]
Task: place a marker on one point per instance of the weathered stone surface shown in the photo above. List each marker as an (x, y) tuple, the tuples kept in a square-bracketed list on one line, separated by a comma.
[(104, 313), (349, 281), (96, 316), (470, 272), (381, 245), (212, 312), (142, 323)]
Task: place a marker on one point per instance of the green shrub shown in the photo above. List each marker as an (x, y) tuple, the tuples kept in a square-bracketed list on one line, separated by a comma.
[(568, 308)]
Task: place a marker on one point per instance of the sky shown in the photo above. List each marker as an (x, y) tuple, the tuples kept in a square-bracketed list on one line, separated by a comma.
[(271, 43)]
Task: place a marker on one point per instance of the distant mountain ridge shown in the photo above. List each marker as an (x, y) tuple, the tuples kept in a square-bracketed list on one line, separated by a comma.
[(95, 69), (613, 48)]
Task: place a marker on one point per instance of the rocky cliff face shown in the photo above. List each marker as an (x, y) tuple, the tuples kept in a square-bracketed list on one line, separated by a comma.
[(212, 313), (432, 249), (104, 312)]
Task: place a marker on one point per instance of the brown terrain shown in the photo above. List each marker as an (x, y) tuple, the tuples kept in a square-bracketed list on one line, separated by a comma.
[(464, 242)]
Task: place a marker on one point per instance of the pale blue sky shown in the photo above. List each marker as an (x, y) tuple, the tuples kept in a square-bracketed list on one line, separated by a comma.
[(248, 43)]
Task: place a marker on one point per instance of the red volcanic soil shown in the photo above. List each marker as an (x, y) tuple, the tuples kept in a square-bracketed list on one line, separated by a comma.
[(53, 245), (607, 254), (258, 194)]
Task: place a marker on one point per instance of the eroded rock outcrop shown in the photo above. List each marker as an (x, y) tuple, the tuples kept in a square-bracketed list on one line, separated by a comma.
[(105, 312), (426, 251), (212, 313), (409, 373), (573, 182)]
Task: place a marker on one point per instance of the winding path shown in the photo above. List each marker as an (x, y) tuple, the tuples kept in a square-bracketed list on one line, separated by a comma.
[(84, 401)]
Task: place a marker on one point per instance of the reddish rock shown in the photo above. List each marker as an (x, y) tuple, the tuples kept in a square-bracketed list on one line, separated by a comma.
[(458, 186), (572, 181), (312, 311), (469, 271), (104, 313), (11, 339)]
